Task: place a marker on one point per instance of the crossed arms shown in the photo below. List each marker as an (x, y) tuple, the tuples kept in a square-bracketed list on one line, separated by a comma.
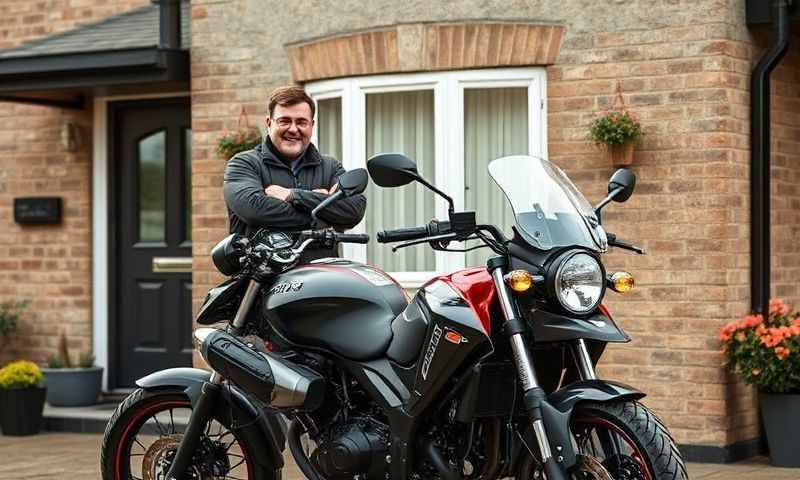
[(263, 207)]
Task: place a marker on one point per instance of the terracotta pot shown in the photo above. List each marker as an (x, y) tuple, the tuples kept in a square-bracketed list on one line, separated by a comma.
[(620, 155), (781, 415)]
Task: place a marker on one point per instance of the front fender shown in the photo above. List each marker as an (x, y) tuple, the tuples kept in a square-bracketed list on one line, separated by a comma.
[(557, 411), (191, 381)]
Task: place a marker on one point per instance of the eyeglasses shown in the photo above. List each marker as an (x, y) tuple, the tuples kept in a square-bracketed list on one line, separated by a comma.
[(286, 122)]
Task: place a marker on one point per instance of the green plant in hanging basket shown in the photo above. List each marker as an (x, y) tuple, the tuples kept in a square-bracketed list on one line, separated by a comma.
[(238, 141), (615, 128)]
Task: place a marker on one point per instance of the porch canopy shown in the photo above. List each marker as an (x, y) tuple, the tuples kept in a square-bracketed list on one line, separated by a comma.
[(142, 51)]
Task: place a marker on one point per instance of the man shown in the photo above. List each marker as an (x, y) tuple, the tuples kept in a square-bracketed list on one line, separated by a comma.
[(278, 183)]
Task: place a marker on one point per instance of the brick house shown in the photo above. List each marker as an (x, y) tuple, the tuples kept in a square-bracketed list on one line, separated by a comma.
[(104, 110)]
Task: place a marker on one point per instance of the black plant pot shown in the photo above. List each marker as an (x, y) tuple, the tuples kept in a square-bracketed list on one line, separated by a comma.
[(21, 410), (781, 415)]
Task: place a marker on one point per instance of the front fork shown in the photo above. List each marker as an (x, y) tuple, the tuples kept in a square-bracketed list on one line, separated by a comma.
[(203, 408), (534, 395)]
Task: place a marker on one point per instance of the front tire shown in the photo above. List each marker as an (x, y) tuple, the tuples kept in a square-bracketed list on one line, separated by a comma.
[(621, 441), (143, 433)]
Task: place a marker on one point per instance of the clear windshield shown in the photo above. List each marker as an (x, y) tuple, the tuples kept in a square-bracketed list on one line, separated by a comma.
[(549, 211)]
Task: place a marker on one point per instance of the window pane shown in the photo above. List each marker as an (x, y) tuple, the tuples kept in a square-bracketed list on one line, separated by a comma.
[(151, 187), (401, 122), (329, 127), (495, 125), (187, 162)]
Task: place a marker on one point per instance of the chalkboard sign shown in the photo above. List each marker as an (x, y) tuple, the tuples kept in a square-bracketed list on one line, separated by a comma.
[(37, 210)]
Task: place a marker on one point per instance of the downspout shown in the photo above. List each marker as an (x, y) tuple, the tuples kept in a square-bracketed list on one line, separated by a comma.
[(169, 24), (760, 159)]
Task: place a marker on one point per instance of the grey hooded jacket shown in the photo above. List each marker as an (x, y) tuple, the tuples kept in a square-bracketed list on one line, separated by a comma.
[(249, 208)]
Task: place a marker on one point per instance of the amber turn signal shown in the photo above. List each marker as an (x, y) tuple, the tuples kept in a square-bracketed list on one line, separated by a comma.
[(621, 282), (519, 280)]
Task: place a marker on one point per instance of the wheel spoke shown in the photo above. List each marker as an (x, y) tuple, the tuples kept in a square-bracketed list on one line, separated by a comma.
[(172, 421), (158, 424)]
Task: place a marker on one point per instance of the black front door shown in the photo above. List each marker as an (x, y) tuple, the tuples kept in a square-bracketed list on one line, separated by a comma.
[(151, 308)]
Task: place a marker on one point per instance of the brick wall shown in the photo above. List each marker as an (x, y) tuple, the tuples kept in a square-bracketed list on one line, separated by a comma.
[(48, 265), (786, 177), (683, 67)]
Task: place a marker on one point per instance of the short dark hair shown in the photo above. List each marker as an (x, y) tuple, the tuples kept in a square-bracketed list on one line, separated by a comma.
[(287, 96)]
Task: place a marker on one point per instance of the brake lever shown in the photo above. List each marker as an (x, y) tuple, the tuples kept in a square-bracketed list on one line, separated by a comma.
[(435, 238)]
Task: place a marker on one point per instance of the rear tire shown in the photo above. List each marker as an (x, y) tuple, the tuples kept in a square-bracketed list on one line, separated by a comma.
[(130, 416)]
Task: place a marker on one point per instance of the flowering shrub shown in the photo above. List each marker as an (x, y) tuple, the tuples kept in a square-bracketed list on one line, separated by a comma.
[(766, 353), (239, 141), (615, 128), (20, 374)]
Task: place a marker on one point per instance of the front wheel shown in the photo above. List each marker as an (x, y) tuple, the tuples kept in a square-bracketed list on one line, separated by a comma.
[(618, 441), (143, 435)]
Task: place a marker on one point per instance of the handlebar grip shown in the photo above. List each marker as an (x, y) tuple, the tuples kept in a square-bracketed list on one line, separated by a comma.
[(401, 234), (352, 237)]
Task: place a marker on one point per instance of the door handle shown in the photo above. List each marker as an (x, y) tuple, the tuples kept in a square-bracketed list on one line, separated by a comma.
[(172, 264)]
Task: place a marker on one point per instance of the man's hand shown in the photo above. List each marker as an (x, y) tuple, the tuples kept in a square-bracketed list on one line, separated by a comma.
[(321, 190), (276, 191)]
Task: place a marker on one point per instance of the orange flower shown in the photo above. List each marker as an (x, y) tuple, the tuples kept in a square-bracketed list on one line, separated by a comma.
[(741, 337), (778, 307), (751, 321), (756, 371), (782, 352)]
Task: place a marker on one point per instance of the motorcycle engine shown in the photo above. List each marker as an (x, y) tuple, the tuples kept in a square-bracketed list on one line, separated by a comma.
[(355, 447)]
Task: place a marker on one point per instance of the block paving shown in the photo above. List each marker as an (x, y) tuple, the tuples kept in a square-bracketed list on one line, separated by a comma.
[(75, 456)]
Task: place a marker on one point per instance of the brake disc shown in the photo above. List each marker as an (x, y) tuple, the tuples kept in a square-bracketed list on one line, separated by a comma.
[(589, 468), (156, 457)]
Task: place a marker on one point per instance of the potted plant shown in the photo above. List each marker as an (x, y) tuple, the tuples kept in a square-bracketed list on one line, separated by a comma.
[(21, 398), (243, 138), (10, 313), (72, 385), (616, 132), (766, 353)]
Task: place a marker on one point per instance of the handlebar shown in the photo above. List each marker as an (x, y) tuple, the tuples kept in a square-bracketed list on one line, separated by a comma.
[(401, 234), (329, 235), (434, 228), (351, 238)]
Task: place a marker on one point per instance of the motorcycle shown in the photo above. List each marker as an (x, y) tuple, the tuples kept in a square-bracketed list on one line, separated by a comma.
[(486, 373)]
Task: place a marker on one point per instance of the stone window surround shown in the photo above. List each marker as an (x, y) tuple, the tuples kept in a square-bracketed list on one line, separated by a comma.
[(419, 47)]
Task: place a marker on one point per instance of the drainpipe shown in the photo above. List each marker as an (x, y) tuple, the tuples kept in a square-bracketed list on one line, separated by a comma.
[(760, 159), (169, 24)]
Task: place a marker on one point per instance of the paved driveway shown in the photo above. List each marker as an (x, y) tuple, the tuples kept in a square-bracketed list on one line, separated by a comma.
[(74, 456)]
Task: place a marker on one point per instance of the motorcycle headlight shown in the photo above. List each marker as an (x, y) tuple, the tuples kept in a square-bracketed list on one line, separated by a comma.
[(579, 282)]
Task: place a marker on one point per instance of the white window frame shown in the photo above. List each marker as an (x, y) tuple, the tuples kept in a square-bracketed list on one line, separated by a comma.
[(448, 91)]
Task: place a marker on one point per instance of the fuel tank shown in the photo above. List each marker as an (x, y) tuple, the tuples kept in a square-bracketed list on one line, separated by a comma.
[(336, 305), (454, 339)]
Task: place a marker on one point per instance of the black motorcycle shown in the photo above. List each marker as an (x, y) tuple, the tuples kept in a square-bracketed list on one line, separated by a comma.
[(486, 373)]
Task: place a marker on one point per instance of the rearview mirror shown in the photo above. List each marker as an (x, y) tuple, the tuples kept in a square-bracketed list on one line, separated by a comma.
[(350, 183), (392, 169), (353, 182), (622, 179)]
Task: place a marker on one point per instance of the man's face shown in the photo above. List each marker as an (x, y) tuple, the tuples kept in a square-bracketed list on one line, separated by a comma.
[(290, 129)]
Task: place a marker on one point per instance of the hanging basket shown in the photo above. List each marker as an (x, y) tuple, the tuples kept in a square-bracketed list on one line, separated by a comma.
[(616, 131), (620, 155), (243, 138)]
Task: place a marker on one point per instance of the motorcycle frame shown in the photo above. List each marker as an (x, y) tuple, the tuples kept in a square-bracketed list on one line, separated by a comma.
[(548, 415)]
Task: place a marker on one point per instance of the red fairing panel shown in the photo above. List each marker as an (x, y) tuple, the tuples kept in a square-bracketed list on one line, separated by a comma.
[(476, 287)]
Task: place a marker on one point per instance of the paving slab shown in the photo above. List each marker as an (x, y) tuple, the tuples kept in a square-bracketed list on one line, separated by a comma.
[(75, 456)]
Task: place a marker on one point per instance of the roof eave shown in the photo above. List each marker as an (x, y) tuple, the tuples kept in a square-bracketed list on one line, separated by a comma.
[(92, 69)]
